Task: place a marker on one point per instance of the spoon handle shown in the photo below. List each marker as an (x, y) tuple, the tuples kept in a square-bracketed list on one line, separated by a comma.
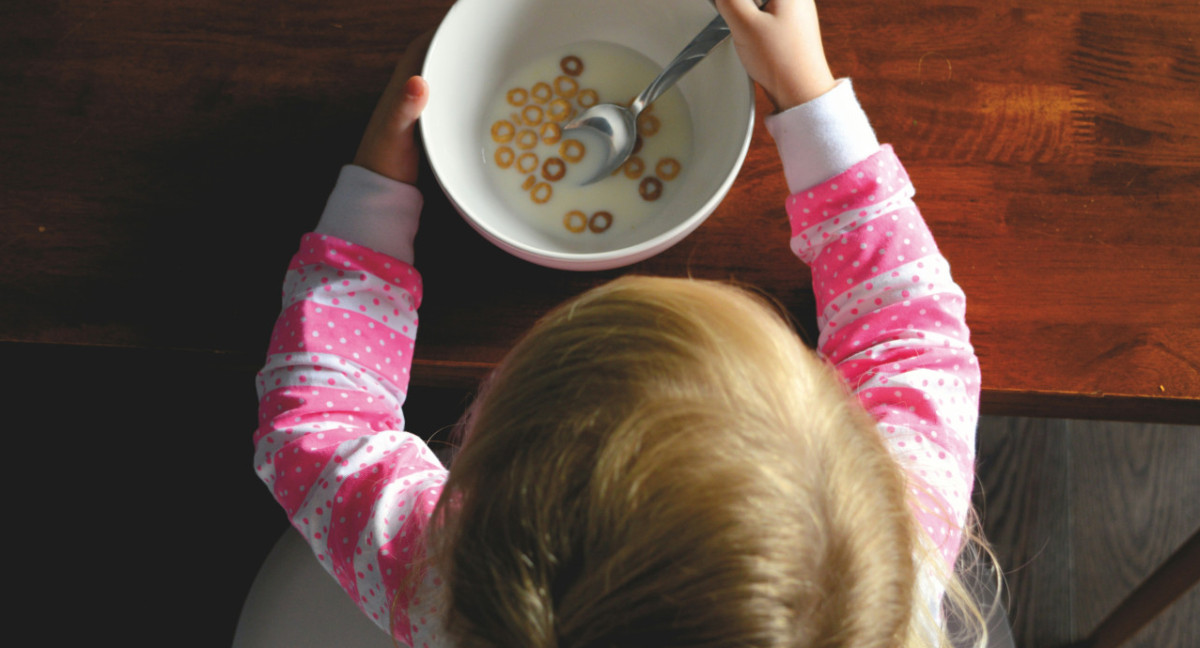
[(708, 38), (712, 35)]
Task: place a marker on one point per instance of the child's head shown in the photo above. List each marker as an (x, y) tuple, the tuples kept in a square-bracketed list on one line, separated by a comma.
[(663, 462)]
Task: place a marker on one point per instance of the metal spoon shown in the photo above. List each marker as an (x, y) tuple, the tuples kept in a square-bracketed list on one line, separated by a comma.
[(616, 126)]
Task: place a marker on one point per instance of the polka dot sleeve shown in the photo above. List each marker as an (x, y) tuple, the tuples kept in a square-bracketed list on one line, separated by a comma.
[(329, 442), (892, 321)]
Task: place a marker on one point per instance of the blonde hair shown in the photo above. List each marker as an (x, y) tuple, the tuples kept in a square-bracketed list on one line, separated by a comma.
[(662, 462)]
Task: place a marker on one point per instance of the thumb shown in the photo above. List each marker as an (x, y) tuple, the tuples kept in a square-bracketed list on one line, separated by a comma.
[(413, 98), (739, 14)]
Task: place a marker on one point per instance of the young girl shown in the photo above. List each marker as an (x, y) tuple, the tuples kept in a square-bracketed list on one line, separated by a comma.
[(659, 462)]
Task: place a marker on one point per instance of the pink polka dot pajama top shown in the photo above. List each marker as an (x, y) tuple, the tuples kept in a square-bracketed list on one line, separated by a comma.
[(330, 443)]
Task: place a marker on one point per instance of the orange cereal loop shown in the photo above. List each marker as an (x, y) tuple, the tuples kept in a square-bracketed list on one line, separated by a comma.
[(575, 221), (531, 115), (518, 96), (529, 182), (650, 189), (566, 87), (541, 92), (634, 167), (553, 169), (667, 168), (527, 162), (572, 150), (587, 98), (559, 110), (571, 65), (551, 133), (503, 131), (600, 221), (504, 157), (526, 140), (541, 193), (648, 124)]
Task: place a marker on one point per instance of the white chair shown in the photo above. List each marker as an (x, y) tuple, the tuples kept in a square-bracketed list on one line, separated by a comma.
[(294, 603)]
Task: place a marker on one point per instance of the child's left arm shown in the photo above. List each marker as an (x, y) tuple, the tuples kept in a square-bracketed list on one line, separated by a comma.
[(330, 442)]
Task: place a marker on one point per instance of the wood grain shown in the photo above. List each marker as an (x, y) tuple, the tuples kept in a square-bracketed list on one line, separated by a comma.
[(1132, 505), (1022, 494), (1080, 513), (161, 160)]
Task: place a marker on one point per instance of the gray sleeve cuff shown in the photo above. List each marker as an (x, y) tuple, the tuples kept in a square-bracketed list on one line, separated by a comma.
[(372, 210), (819, 139)]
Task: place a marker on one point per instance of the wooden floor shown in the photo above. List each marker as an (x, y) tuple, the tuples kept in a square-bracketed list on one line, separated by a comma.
[(138, 468), (1080, 512)]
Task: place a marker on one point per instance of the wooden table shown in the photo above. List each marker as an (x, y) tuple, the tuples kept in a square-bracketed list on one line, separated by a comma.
[(160, 160)]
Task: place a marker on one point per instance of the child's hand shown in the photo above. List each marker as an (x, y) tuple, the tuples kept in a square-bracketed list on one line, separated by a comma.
[(780, 46), (388, 147)]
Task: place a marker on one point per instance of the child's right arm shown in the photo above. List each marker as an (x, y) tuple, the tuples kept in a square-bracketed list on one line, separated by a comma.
[(892, 320)]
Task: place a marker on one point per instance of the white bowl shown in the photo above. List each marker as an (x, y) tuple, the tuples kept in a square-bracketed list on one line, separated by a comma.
[(480, 43)]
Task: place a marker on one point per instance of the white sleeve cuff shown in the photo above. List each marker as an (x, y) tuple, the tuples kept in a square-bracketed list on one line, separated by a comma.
[(819, 139), (372, 210)]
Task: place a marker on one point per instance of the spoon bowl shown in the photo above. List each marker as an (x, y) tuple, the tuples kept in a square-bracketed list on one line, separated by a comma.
[(616, 126)]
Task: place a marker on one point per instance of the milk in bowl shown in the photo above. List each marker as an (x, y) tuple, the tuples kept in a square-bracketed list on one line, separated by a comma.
[(539, 170)]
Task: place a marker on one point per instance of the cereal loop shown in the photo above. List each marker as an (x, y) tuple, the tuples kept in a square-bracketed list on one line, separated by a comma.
[(575, 221), (566, 87), (503, 131), (527, 162), (551, 133), (553, 169), (571, 65), (529, 182), (505, 157), (541, 193), (541, 92), (650, 189), (600, 222), (634, 167), (648, 124), (572, 150), (531, 115), (518, 96), (587, 98), (558, 110), (526, 140), (667, 168), (637, 145)]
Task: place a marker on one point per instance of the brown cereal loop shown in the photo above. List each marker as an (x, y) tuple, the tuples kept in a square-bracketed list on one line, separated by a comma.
[(527, 162), (553, 169), (558, 110), (637, 145), (505, 157), (541, 193), (541, 92), (571, 65), (587, 98), (529, 182), (650, 189), (667, 168), (648, 124), (633, 167), (566, 87), (572, 150), (526, 140), (531, 115), (600, 222), (503, 132), (518, 96), (575, 221), (551, 133)]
